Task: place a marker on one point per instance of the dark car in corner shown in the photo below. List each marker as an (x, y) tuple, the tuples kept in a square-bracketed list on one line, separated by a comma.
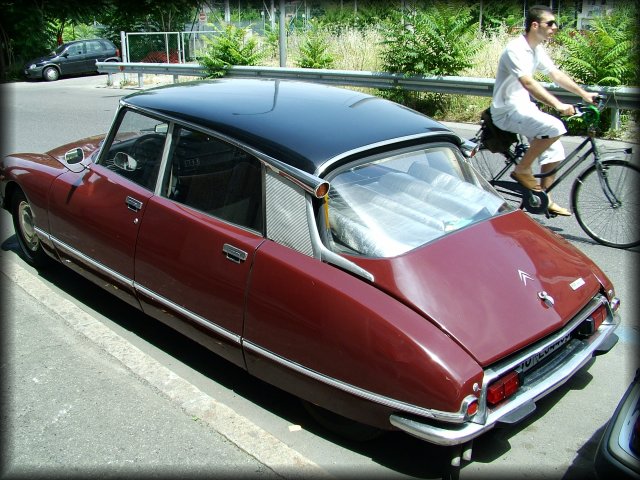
[(72, 58), (618, 454)]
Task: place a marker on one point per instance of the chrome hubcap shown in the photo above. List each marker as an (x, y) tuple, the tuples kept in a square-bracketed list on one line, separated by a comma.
[(25, 217)]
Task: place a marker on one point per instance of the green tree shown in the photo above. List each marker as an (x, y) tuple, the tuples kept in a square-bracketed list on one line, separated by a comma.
[(439, 40), (314, 50), (231, 46), (31, 28), (606, 54)]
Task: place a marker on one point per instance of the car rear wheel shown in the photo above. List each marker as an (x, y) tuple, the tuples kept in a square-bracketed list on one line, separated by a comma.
[(342, 426), (24, 224), (50, 74)]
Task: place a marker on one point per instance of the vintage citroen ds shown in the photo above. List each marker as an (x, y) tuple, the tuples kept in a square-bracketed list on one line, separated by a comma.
[(332, 243)]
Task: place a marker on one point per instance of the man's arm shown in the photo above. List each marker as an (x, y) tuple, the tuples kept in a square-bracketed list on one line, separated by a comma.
[(565, 81), (540, 93)]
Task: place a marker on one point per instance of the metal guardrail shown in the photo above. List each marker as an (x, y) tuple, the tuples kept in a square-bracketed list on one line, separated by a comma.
[(618, 98)]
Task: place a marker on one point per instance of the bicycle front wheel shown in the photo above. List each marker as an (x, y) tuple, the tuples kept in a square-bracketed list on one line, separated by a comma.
[(606, 204)]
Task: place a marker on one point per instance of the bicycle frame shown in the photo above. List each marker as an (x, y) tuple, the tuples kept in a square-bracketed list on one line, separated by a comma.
[(592, 150)]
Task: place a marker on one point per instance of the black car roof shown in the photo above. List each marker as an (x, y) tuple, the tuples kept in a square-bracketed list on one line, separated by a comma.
[(299, 123)]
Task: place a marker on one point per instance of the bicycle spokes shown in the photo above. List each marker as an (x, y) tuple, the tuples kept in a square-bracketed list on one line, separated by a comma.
[(606, 184), (605, 203)]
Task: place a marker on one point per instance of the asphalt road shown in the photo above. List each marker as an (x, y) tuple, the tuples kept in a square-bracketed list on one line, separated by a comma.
[(93, 387)]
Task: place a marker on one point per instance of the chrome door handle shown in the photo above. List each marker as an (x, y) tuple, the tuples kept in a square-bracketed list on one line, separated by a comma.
[(133, 204), (234, 254)]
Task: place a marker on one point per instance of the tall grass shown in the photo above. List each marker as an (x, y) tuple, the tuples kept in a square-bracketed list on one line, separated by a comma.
[(361, 50), (352, 49), (467, 108)]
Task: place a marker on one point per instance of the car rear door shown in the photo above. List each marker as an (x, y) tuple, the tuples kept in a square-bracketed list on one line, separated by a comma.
[(95, 51), (197, 242)]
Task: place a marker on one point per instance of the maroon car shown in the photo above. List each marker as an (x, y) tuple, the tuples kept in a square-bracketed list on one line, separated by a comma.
[(332, 243)]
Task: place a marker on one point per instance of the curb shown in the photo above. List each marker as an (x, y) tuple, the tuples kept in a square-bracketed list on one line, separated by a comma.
[(247, 436)]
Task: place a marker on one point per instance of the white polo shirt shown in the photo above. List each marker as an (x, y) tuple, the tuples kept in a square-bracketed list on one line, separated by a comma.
[(517, 59)]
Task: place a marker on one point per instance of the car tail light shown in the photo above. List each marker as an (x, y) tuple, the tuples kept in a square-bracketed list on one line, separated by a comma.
[(503, 388), (117, 52), (472, 408)]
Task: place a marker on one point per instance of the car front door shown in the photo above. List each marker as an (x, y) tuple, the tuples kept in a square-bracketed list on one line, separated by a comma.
[(198, 239), (73, 59), (95, 215)]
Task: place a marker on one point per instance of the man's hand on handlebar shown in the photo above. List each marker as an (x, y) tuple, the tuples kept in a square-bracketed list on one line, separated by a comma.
[(592, 97)]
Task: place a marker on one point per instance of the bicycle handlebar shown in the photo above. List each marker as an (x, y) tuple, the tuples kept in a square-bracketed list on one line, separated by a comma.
[(590, 112)]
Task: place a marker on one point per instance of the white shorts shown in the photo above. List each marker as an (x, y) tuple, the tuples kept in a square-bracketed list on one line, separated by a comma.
[(531, 122)]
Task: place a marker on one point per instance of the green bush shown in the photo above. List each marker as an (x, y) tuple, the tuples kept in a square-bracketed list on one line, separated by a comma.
[(314, 50), (231, 46), (437, 41), (605, 55)]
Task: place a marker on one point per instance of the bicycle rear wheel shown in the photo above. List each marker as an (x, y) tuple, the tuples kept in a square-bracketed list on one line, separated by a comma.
[(488, 164), (611, 224)]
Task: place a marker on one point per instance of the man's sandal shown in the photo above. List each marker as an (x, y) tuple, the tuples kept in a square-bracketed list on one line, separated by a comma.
[(556, 209)]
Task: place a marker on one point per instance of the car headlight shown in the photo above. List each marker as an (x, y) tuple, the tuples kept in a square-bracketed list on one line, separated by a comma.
[(32, 66)]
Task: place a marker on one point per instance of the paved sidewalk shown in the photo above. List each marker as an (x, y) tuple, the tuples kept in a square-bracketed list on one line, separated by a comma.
[(81, 401)]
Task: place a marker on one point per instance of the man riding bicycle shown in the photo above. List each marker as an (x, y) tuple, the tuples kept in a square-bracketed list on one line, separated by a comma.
[(513, 110)]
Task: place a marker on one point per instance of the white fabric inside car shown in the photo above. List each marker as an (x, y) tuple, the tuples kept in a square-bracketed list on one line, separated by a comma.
[(389, 213)]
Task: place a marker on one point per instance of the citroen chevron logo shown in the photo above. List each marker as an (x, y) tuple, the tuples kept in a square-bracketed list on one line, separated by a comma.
[(524, 276)]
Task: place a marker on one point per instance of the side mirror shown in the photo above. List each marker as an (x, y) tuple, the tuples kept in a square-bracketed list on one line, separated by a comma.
[(125, 162), (74, 156)]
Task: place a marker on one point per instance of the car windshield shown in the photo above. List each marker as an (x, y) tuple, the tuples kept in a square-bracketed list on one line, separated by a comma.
[(60, 49), (387, 205)]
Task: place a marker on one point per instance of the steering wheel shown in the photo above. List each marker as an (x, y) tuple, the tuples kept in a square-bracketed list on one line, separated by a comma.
[(146, 150)]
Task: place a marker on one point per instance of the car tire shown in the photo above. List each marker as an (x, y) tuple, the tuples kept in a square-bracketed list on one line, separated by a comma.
[(50, 74), (342, 426), (28, 241)]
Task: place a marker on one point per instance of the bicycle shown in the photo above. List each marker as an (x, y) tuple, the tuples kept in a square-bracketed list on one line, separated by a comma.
[(604, 197)]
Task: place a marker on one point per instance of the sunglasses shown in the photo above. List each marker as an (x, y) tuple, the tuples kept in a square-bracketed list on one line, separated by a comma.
[(550, 23)]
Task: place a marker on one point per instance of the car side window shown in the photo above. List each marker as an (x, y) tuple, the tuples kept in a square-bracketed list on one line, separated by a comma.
[(95, 47), (136, 147), (215, 177), (75, 49)]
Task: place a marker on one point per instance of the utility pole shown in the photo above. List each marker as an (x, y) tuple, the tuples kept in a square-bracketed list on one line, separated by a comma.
[(283, 35), (227, 12)]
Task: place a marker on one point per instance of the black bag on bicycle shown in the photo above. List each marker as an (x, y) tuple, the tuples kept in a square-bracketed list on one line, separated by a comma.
[(493, 138)]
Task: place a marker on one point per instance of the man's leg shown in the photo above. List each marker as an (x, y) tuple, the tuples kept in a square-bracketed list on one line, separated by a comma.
[(546, 182), (523, 173)]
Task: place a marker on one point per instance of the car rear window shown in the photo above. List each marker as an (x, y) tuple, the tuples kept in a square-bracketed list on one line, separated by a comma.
[(390, 204)]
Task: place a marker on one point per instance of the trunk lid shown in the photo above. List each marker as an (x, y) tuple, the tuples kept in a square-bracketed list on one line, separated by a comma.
[(494, 287)]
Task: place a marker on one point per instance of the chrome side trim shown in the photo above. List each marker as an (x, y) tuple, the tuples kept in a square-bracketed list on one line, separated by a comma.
[(437, 415), (323, 253), (310, 183), (525, 399), (95, 264), (222, 332)]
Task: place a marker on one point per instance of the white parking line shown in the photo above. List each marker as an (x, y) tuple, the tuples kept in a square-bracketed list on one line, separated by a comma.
[(249, 437)]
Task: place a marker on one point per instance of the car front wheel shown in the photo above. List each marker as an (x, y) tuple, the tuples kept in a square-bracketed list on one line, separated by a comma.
[(28, 240), (50, 74)]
